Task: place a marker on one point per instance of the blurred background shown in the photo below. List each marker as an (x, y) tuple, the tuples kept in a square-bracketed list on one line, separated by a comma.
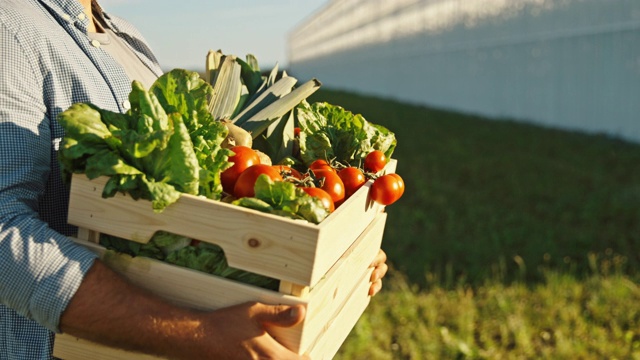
[(182, 32), (571, 63), (518, 127)]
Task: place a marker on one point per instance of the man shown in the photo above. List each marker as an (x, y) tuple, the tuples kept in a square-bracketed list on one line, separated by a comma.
[(55, 53)]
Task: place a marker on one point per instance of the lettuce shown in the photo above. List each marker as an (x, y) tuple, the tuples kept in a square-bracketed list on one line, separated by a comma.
[(180, 251), (210, 259), (284, 199), (166, 144), (331, 132), (184, 92)]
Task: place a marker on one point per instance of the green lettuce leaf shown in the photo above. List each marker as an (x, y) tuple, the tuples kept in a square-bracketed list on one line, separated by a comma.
[(177, 250), (331, 132), (186, 93), (210, 259), (165, 145), (285, 199)]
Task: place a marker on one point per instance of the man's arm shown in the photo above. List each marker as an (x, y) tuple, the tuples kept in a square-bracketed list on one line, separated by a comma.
[(109, 310)]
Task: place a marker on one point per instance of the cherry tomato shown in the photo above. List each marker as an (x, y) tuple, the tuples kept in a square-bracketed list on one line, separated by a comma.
[(353, 179), (386, 189), (331, 183), (286, 171), (243, 158), (321, 164), (375, 161), (322, 195), (247, 180)]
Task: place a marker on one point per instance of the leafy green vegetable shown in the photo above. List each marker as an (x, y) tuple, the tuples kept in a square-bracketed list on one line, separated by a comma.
[(186, 93), (277, 141), (329, 131), (210, 259), (177, 250), (254, 203), (284, 199), (166, 144), (168, 242), (132, 248)]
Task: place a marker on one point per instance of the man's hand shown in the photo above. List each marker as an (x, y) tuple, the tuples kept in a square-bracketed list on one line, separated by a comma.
[(238, 332), (379, 271)]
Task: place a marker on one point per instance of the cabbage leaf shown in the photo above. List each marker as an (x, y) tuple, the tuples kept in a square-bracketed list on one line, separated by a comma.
[(331, 132)]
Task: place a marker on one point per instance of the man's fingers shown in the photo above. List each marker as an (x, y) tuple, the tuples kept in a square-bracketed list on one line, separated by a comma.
[(380, 258), (380, 268), (379, 272), (375, 288), (278, 315)]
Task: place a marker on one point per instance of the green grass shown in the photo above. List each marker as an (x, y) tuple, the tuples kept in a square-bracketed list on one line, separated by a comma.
[(511, 241), (562, 318)]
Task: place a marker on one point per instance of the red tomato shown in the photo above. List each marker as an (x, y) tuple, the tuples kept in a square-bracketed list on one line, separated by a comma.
[(247, 180), (286, 170), (322, 195), (331, 183), (353, 179), (386, 189), (321, 164), (375, 161), (400, 182), (243, 158)]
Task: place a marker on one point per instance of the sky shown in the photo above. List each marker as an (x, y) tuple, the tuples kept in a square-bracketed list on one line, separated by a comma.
[(182, 32)]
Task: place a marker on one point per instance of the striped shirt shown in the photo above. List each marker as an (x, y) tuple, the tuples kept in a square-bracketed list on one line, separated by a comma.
[(47, 63)]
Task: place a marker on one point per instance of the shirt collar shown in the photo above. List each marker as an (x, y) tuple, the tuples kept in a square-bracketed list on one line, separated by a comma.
[(73, 10)]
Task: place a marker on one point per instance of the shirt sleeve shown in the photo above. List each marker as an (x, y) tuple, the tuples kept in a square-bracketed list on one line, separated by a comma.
[(40, 269)]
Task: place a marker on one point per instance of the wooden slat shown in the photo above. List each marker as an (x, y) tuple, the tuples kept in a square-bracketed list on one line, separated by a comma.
[(330, 295), (338, 327), (289, 288), (88, 235)]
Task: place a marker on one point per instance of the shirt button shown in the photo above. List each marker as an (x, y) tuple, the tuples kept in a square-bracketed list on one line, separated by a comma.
[(95, 43), (126, 105), (66, 17), (81, 16)]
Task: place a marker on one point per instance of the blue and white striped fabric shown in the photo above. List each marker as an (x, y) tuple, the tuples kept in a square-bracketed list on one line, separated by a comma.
[(47, 63)]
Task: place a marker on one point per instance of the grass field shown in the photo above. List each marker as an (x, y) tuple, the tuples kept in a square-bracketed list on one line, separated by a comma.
[(512, 241)]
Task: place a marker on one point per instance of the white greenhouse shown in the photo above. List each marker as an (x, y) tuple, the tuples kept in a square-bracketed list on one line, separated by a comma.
[(573, 64)]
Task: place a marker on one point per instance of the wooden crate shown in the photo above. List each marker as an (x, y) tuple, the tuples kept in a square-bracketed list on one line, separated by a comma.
[(324, 267)]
